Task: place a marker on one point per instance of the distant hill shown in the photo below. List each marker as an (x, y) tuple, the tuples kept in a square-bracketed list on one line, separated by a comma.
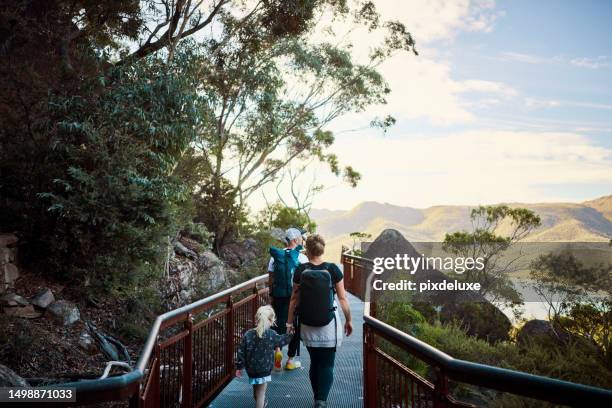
[(587, 221)]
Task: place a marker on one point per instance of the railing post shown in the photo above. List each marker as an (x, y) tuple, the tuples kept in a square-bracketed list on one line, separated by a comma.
[(135, 400), (188, 363), (255, 303), (351, 263), (229, 340), (370, 388), (441, 390), (154, 399)]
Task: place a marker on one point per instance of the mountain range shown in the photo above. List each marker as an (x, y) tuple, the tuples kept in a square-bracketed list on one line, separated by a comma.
[(581, 222)]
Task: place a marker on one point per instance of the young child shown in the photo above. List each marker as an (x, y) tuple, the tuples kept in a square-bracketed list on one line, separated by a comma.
[(256, 353)]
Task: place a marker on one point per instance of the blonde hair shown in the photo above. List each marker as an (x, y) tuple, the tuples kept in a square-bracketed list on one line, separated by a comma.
[(265, 318), (315, 245)]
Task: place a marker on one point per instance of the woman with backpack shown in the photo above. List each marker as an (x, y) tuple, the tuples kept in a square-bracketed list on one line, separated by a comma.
[(315, 284)]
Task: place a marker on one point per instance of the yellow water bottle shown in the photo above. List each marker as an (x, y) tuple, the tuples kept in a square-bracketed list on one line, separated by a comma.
[(278, 358)]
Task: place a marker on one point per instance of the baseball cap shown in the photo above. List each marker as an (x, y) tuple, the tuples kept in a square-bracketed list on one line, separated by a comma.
[(292, 233)]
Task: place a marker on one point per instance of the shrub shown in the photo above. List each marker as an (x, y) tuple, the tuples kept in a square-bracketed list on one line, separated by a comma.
[(572, 361), (217, 209), (280, 216), (95, 196)]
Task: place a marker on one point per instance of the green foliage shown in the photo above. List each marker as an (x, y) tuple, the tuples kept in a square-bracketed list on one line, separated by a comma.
[(479, 319), (218, 211), (564, 283), (485, 242), (256, 122), (199, 232), (564, 271), (405, 317), (573, 361), (358, 236), (140, 308), (99, 157), (102, 200), (280, 216), (591, 322)]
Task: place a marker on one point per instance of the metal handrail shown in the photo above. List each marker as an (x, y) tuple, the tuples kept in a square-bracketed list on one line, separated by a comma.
[(496, 378), (125, 384), (150, 343)]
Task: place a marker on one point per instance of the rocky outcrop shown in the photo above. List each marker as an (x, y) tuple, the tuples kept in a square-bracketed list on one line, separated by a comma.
[(391, 243), (43, 298), (213, 270), (18, 306), (13, 299), (8, 261), (541, 331), (479, 319), (25, 312), (240, 254), (473, 311), (181, 249), (65, 312), (193, 271)]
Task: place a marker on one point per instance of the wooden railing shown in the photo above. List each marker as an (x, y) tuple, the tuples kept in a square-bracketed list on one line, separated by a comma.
[(388, 382)]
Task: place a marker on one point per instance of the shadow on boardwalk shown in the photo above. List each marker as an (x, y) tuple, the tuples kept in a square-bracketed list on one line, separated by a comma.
[(290, 389)]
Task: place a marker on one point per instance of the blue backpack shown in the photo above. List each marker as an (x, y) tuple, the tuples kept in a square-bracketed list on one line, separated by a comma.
[(285, 261)]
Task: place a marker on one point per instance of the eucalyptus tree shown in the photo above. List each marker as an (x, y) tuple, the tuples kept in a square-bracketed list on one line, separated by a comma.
[(270, 103), (486, 241)]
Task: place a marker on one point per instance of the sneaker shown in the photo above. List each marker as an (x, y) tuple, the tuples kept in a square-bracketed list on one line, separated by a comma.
[(292, 364), (320, 404)]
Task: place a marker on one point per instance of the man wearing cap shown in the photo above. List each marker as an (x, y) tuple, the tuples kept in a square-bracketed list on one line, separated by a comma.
[(293, 239)]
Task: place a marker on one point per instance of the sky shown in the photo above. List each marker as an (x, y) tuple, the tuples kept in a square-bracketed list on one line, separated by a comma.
[(508, 101)]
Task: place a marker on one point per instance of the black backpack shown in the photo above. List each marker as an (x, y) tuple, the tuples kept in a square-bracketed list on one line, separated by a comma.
[(317, 297)]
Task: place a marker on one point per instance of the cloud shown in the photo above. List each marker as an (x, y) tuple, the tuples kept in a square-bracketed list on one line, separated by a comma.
[(541, 103), (554, 103), (602, 61), (424, 88), (476, 85), (484, 166), (528, 58), (431, 20)]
